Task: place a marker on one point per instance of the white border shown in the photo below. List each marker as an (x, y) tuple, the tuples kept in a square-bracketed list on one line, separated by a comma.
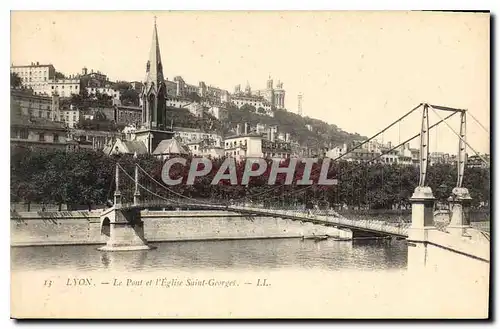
[(191, 5)]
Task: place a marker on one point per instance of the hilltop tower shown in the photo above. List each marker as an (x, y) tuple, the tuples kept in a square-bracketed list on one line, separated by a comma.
[(279, 96), (269, 93), (154, 122)]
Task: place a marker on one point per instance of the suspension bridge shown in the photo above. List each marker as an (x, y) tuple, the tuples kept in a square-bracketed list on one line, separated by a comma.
[(138, 190)]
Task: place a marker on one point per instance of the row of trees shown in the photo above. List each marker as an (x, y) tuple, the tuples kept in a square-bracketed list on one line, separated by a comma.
[(86, 177)]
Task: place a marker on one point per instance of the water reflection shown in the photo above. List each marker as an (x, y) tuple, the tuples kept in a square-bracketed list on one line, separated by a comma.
[(241, 254)]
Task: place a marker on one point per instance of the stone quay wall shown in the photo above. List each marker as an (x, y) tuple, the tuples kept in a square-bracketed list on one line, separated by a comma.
[(83, 227)]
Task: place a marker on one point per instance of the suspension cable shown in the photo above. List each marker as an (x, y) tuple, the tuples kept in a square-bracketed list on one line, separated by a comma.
[(479, 123), (167, 188), (146, 189), (343, 155), (379, 133), (458, 135), (395, 147)]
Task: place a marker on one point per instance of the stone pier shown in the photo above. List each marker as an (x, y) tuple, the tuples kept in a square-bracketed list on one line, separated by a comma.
[(124, 228), (456, 248), (460, 205), (422, 221)]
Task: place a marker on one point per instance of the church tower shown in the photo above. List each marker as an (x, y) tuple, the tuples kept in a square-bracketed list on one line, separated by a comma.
[(154, 126), (153, 94)]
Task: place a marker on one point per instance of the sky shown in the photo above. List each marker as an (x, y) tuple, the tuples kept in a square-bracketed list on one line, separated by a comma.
[(357, 70)]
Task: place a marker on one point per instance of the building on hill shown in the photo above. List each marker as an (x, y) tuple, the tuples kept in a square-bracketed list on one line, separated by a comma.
[(93, 79), (196, 109), (71, 116), (205, 149), (38, 133), (188, 135), (274, 96), (243, 146), (261, 105), (178, 102), (276, 149), (97, 139), (212, 94), (219, 112), (178, 88), (106, 90), (127, 115), (475, 161), (64, 87), (375, 152), (35, 76), (37, 106)]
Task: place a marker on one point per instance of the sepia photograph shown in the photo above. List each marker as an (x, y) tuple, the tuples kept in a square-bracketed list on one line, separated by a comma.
[(250, 164)]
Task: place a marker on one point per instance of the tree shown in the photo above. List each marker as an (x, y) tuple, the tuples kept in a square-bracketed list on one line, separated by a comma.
[(122, 86), (15, 80), (194, 97), (59, 75), (248, 107), (129, 96)]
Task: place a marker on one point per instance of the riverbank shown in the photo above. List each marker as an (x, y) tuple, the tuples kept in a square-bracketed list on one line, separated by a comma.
[(83, 227)]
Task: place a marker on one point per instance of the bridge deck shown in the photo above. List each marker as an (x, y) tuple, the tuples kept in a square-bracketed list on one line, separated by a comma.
[(321, 217)]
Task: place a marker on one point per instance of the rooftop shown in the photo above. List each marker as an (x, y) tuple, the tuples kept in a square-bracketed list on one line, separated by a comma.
[(40, 123), (170, 146), (244, 135)]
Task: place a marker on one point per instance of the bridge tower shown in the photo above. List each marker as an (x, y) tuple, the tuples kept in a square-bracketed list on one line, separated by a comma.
[(422, 202), (423, 230), (460, 198), (122, 223)]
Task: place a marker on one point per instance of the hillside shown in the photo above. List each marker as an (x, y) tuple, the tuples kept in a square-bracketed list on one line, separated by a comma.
[(322, 134)]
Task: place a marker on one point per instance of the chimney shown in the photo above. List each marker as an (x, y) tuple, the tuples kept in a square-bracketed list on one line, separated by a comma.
[(389, 144), (37, 63)]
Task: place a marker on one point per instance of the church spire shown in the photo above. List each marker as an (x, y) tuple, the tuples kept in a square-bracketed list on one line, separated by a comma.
[(154, 67), (154, 92)]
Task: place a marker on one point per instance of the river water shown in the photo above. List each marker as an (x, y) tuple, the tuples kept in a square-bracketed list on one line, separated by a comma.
[(265, 254)]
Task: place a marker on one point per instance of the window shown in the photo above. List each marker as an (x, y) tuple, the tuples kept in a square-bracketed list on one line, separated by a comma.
[(41, 137), (56, 138)]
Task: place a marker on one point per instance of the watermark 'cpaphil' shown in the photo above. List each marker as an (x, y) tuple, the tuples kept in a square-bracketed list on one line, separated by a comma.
[(255, 167)]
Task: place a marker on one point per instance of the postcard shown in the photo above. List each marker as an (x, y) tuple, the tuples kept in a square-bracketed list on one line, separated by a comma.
[(250, 164)]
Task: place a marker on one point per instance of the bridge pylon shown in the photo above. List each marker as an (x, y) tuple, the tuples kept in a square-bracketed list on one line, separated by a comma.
[(423, 229), (122, 224), (117, 194), (124, 228), (137, 193)]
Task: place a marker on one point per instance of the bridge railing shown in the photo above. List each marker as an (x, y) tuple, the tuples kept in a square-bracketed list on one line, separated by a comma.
[(319, 215)]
